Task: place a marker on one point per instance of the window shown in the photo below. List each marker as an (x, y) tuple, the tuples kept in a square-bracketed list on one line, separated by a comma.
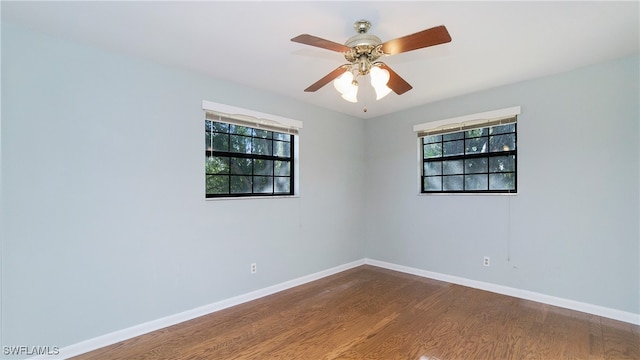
[(477, 156), (245, 156)]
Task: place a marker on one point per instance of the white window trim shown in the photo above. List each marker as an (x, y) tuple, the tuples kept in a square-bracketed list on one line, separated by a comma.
[(455, 122), (472, 119), (265, 119), (252, 116)]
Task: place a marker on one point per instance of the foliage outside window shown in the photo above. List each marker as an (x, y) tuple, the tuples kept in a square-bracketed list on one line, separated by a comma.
[(245, 161), (478, 160)]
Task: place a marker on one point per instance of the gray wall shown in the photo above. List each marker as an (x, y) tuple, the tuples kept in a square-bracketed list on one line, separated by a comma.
[(105, 226), (572, 230), (105, 222)]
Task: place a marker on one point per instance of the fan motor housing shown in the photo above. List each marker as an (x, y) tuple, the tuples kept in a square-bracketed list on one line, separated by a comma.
[(363, 43)]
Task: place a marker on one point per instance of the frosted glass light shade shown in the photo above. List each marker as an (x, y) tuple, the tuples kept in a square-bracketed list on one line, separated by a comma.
[(351, 95), (343, 82), (347, 87), (379, 80)]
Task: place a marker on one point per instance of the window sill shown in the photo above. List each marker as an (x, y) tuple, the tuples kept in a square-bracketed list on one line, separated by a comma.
[(252, 197), (468, 194)]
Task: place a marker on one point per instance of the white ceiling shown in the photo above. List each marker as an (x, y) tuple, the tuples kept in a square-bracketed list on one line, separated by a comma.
[(494, 43)]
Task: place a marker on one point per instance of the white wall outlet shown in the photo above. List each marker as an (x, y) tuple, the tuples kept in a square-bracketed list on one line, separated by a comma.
[(254, 268), (486, 261)]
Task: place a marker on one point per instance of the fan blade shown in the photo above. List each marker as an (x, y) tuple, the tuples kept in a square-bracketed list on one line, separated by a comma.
[(425, 38), (396, 83), (319, 42), (327, 79)]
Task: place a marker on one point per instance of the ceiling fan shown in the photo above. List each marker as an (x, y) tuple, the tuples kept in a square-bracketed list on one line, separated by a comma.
[(362, 52)]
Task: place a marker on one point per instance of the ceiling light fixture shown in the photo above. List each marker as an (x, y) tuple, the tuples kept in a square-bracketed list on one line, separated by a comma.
[(362, 51), (347, 83)]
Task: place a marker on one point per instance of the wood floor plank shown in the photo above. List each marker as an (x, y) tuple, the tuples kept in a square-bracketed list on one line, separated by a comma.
[(374, 313), (596, 341), (620, 340)]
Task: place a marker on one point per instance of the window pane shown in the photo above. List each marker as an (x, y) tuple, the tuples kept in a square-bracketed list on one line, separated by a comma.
[(450, 167), (476, 145), (474, 166), (282, 149), (281, 136), (502, 129), (282, 185), (208, 141), (453, 183), (240, 144), (240, 130), (262, 184), (476, 132), (220, 142), (240, 184), (217, 184), (262, 146), (282, 168), (432, 139), (240, 166), (262, 134), (219, 127), (262, 167), (433, 168), (453, 136), (506, 181), (502, 164), (432, 150), (432, 183), (502, 142), (217, 165), (451, 148), (476, 182)]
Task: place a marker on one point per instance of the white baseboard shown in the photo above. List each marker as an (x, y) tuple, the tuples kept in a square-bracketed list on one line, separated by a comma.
[(141, 329), (518, 293)]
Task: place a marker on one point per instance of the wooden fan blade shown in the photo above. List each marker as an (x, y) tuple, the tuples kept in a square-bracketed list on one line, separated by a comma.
[(319, 42), (396, 83), (325, 80), (425, 38)]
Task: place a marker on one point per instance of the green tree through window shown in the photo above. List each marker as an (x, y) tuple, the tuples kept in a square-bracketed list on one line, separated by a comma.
[(480, 160), (244, 161)]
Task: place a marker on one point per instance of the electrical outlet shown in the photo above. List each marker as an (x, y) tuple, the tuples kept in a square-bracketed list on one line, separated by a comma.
[(254, 268), (486, 261)]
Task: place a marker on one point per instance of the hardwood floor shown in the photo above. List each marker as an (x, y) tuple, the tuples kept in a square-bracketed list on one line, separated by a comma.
[(373, 313)]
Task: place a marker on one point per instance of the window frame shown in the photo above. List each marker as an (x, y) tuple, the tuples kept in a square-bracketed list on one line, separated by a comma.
[(462, 124), (259, 121)]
